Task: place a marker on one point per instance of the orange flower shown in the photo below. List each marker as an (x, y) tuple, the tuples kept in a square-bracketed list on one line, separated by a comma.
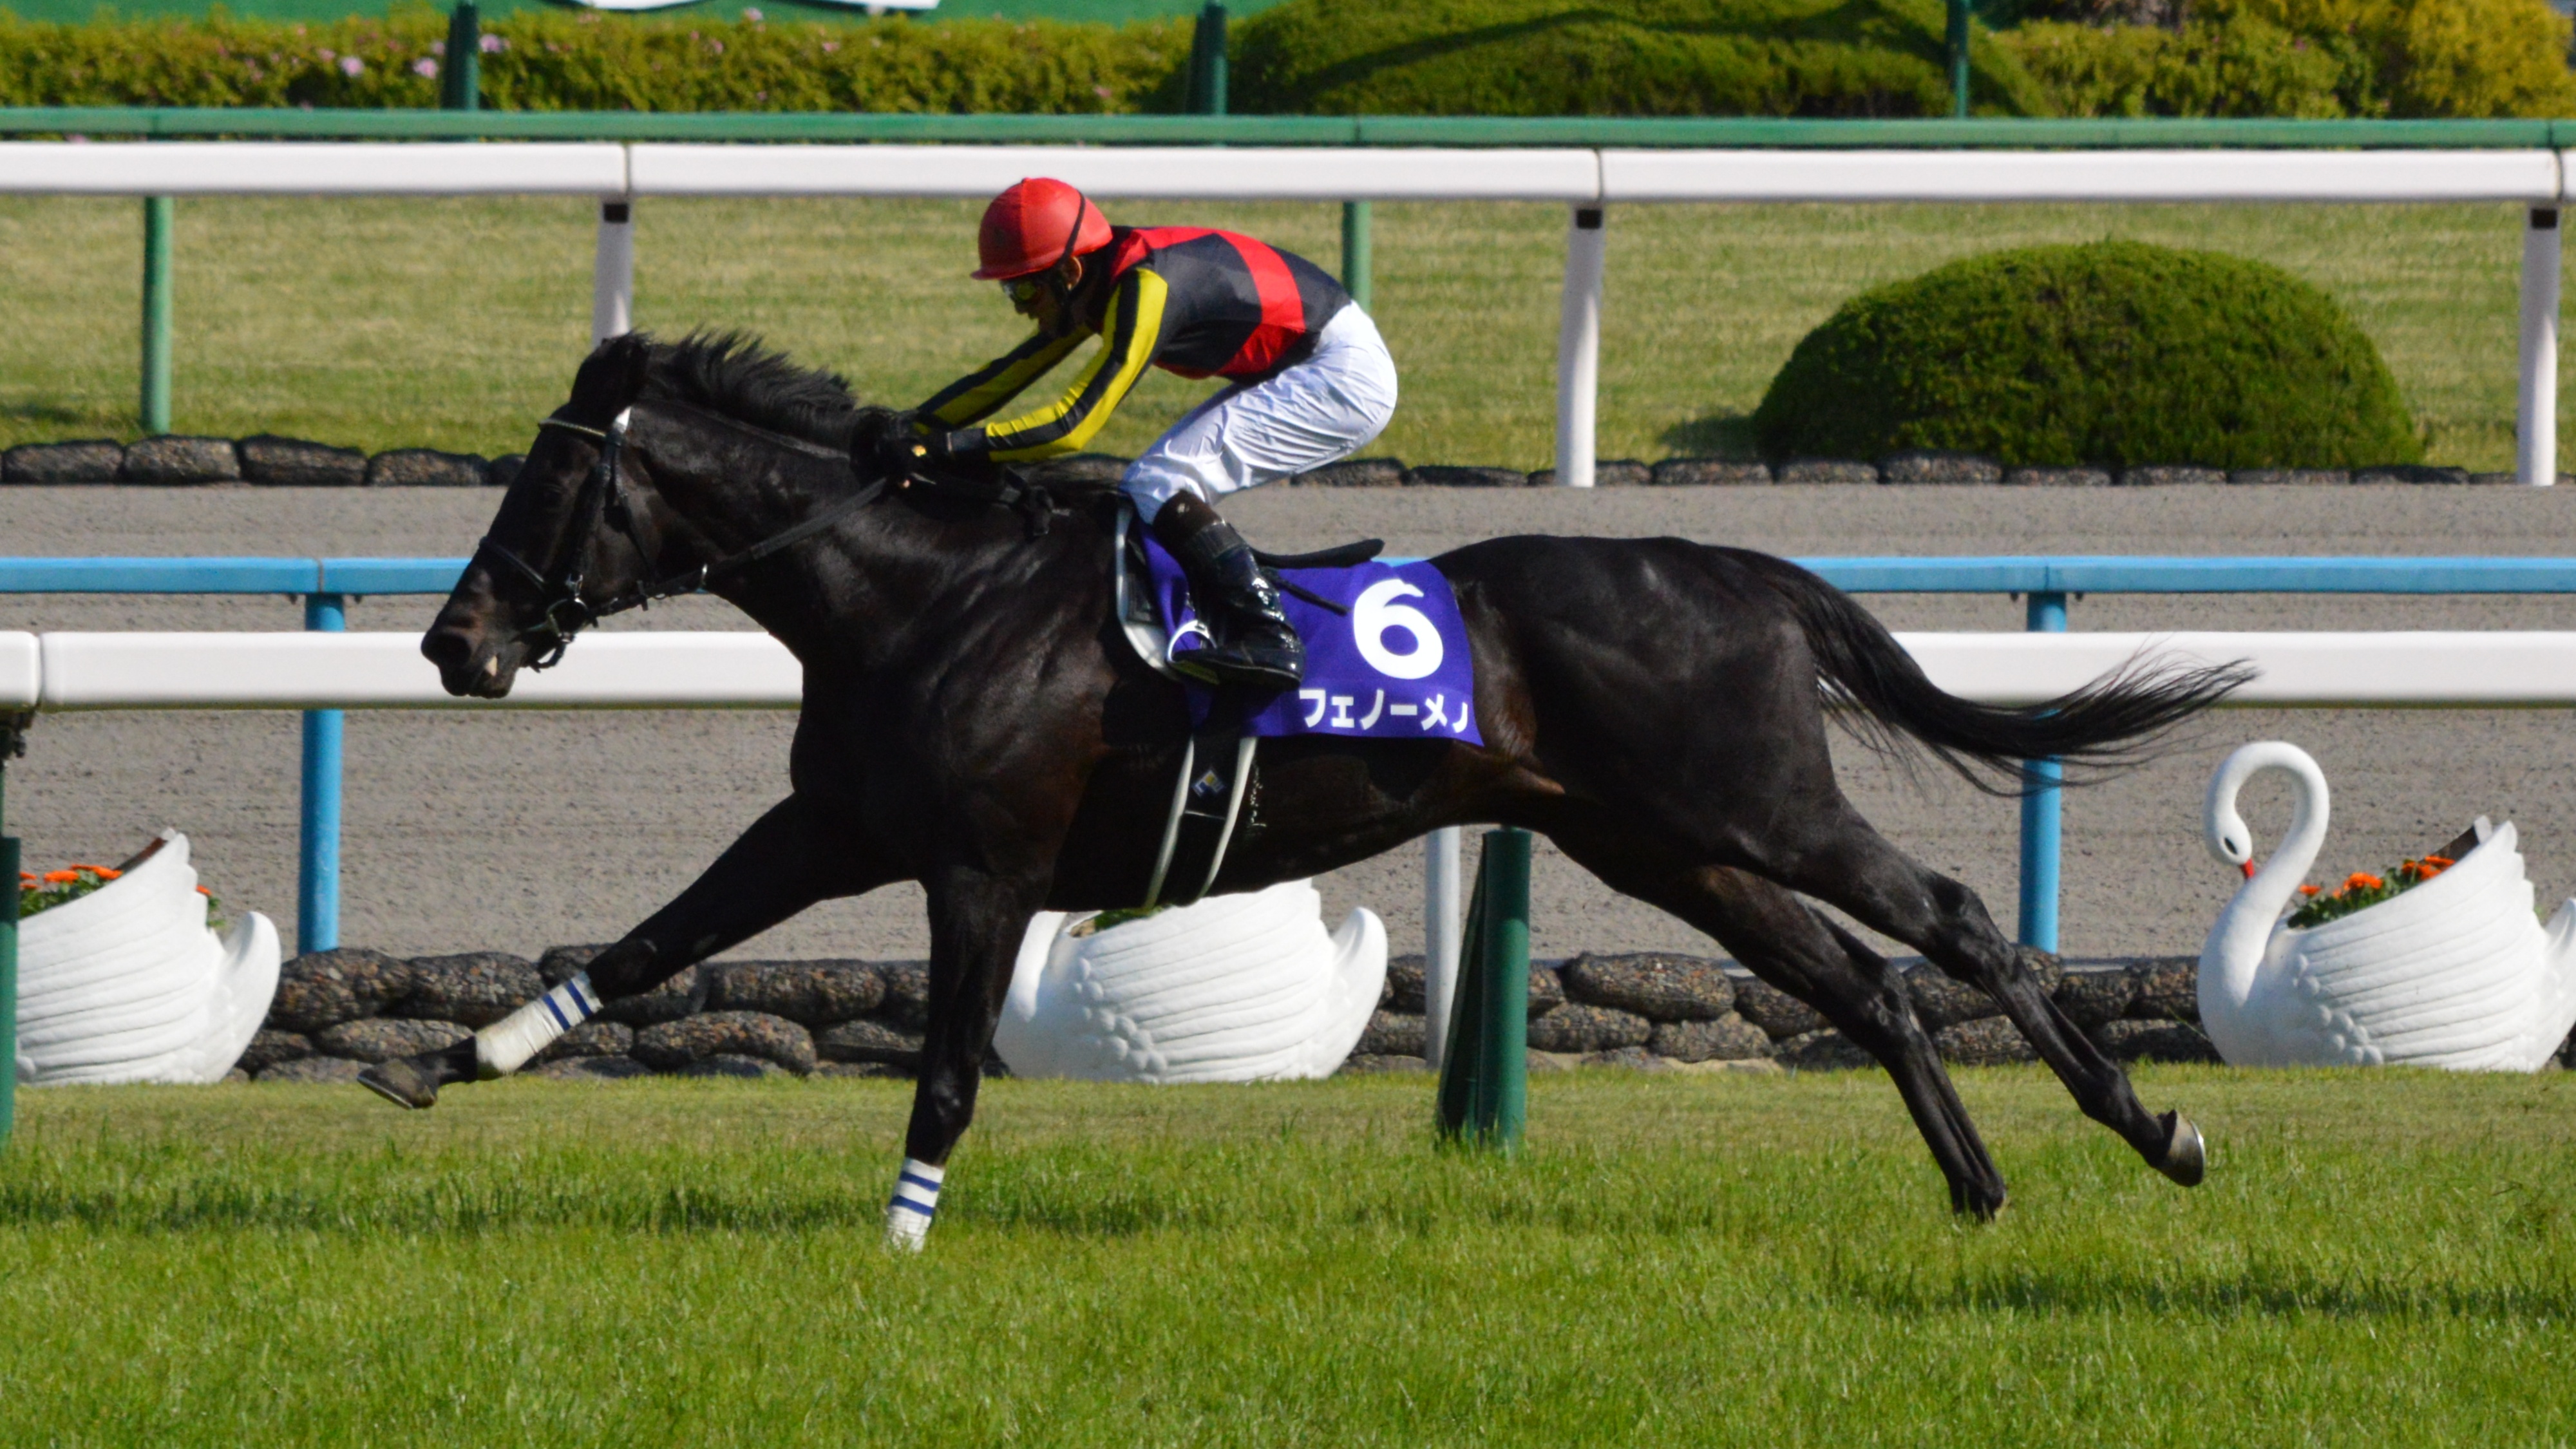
[(2362, 880), (61, 877), (2440, 862), (209, 895), (95, 870), (2307, 890)]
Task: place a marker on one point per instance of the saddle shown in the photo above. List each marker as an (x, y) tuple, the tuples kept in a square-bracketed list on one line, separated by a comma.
[(1217, 764), (1217, 768)]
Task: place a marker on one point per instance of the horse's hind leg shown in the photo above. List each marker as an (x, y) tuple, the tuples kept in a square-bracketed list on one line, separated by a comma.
[(1775, 936), (1849, 864), (785, 862)]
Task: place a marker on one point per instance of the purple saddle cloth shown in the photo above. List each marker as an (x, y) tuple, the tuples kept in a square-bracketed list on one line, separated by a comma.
[(1396, 667)]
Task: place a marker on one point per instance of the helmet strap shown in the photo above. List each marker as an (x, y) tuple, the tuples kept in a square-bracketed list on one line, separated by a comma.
[(1055, 282)]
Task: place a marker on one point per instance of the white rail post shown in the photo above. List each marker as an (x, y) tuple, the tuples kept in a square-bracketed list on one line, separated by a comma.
[(612, 281), (2536, 456), (1578, 348), (1444, 912)]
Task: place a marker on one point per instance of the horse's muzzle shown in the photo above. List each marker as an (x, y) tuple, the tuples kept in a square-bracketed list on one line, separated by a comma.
[(466, 667)]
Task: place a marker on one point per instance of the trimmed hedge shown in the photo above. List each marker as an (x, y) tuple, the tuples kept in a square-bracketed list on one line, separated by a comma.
[(1614, 57), (582, 61), (2311, 58), (2113, 354), (2320, 58)]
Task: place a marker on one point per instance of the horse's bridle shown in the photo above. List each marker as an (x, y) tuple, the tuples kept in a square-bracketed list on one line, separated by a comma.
[(603, 498)]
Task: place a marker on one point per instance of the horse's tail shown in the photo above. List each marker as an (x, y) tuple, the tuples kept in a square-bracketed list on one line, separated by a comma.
[(2107, 724)]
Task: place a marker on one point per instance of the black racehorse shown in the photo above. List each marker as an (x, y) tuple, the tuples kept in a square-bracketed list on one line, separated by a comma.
[(973, 720)]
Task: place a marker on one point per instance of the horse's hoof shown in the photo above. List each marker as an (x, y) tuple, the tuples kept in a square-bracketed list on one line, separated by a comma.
[(1977, 1202), (401, 1083), (2186, 1161)]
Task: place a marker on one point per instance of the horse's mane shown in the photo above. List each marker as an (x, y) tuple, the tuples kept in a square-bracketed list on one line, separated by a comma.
[(741, 377), (736, 374)]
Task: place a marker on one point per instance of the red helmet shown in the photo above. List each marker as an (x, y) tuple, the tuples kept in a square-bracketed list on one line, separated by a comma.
[(1035, 225)]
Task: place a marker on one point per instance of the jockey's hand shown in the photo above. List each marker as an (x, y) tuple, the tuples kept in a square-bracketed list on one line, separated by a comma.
[(904, 453)]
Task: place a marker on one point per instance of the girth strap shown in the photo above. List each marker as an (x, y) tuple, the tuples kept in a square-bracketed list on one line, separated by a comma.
[(1207, 806)]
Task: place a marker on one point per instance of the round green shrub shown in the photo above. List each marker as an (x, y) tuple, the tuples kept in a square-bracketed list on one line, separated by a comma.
[(1615, 58), (2112, 353)]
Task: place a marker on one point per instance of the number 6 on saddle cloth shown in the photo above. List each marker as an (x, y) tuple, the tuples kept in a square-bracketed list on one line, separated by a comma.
[(1386, 658)]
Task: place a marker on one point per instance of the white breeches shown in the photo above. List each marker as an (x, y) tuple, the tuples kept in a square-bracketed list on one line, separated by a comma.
[(1320, 411)]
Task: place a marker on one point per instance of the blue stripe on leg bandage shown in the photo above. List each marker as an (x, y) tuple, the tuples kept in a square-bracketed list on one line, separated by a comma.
[(916, 1202), (507, 1045)]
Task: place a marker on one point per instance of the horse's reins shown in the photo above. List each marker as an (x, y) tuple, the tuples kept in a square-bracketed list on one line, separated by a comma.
[(603, 498)]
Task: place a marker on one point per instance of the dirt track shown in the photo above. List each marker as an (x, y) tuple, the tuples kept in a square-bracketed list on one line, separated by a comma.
[(518, 831)]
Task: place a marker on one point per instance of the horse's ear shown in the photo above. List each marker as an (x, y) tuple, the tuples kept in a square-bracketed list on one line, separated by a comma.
[(612, 377)]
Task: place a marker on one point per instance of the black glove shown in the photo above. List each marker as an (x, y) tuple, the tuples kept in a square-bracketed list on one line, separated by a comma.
[(900, 452)]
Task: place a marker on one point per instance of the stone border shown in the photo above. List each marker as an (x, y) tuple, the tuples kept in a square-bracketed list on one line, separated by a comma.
[(336, 1011), (1654, 1011), (268, 460)]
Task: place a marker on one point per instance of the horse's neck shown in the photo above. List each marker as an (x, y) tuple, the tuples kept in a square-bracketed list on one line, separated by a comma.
[(853, 593)]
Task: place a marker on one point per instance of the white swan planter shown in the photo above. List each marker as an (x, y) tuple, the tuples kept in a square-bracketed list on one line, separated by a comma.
[(2456, 972), (127, 983), (1233, 989)]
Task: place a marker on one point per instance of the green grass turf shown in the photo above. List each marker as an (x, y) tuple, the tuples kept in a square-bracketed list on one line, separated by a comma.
[(392, 323), (2376, 1258)]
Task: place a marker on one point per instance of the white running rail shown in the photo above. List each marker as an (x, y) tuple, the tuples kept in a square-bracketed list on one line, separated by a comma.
[(744, 670), (1584, 179)]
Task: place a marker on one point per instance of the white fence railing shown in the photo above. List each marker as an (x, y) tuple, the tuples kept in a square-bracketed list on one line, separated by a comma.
[(1588, 180), (743, 670)]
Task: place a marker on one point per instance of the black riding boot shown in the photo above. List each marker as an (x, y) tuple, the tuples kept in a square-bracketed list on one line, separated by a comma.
[(1254, 644)]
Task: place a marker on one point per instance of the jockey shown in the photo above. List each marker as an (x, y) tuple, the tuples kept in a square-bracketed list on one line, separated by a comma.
[(1309, 381)]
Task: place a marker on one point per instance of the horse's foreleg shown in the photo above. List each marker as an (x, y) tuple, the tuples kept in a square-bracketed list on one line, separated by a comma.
[(782, 864), (976, 925)]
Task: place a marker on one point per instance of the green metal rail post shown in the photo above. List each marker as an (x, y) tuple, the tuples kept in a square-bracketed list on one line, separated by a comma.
[(460, 80), (1355, 251), (12, 740), (1955, 40), (1484, 1074), (1207, 62), (155, 408)]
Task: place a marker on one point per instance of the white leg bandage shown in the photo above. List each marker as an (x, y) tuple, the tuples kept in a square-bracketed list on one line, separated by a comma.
[(916, 1201), (507, 1044)]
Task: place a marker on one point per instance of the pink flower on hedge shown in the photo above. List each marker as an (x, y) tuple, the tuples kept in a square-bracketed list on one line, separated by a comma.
[(751, 15), (425, 67), (351, 66), (494, 45), (327, 53)]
